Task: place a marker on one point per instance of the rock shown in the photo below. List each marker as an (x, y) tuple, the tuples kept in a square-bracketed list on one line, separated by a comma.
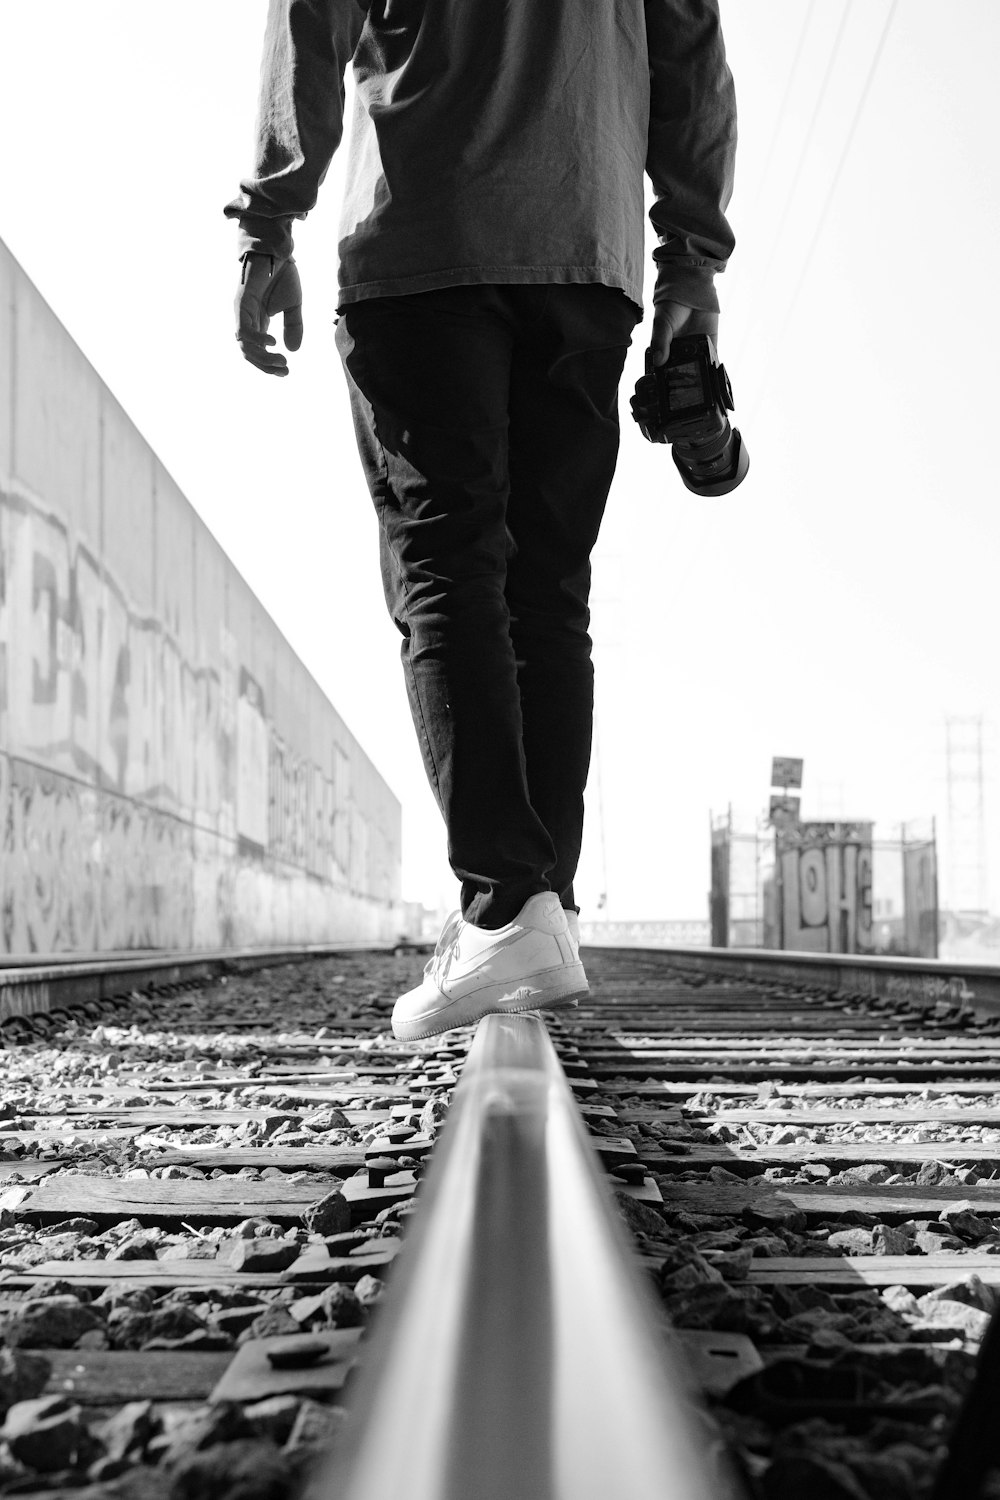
[(695, 1271), (932, 1172), (255, 1256), (959, 1321), (732, 1265), (932, 1244), (896, 1472), (94, 1338), (141, 1246), (131, 1298), (315, 1426), (327, 1119), (22, 1376), (900, 1299), (50, 1323), (724, 1178), (821, 1478), (129, 1483), (962, 1220), (973, 1292), (127, 1329), (827, 1341), (275, 1321), (723, 1308), (641, 1218), (432, 1115), (191, 1250), (59, 1246), (853, 1241), (368, 1290), (174, 1320), (249, 1229), (203, 1428), (123, 1231), (45, 1433), (854, 1218), (273, 1418), (234, 1320), (336, 1306), (773, 1213), (279, 1122), (888, 1239), (251, 1469), (330, 1215), (766, 1245), (868, 1174), (129, 1430)]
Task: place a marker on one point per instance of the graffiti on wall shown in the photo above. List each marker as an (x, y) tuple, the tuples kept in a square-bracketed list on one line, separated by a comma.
[(824, 872), (146, 799), (94, 689), (85, 871)]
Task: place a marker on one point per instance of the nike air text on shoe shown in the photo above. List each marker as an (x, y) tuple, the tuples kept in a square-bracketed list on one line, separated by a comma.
[(529, 964)]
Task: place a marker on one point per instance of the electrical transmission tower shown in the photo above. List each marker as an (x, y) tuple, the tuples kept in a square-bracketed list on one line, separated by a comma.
[(965, 772)]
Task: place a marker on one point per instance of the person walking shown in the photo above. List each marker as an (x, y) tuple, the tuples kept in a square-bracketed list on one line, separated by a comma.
[(490, 278)]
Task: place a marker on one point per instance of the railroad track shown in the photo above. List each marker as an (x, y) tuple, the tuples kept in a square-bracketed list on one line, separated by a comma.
[(206, 1190)]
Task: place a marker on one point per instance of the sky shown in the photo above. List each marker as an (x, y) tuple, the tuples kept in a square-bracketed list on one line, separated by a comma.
[(837, 606)]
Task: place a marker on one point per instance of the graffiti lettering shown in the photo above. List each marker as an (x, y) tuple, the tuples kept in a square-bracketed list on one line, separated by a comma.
[(928, 987), (825, 874)]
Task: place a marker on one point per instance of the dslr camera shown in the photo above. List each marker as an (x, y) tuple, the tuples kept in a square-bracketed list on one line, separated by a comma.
[(684, 403)]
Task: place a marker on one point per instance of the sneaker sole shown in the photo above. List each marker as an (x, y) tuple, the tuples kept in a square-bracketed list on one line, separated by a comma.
[(495, 1000)]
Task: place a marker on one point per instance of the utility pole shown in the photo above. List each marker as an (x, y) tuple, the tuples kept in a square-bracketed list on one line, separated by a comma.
[(965, 774)]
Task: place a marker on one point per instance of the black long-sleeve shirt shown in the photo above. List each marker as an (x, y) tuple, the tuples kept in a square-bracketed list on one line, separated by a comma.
[(500, 141)]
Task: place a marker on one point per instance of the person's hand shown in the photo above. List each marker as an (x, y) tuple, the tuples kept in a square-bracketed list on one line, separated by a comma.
[(671, 318), (268, 287)]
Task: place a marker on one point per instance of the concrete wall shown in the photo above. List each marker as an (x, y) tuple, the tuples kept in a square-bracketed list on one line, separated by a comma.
[(170, 774)]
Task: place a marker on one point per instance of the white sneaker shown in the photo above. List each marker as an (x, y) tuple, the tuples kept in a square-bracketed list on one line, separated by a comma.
[(527, 965), (573, 923)]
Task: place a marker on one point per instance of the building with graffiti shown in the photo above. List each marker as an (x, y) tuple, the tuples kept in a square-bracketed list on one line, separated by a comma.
[(824, 887), (170, 774)]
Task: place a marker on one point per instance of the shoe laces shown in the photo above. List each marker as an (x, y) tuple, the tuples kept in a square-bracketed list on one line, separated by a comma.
[(447, 940)]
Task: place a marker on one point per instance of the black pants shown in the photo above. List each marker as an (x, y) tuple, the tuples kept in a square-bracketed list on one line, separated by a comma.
[(487, 422)]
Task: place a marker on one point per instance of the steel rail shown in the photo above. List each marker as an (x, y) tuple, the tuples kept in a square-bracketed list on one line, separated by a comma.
[(39, 985), (519, 1356), (971, 986)]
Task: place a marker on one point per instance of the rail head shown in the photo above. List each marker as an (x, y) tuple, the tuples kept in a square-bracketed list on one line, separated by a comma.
[(973, 988), (519, 1353)]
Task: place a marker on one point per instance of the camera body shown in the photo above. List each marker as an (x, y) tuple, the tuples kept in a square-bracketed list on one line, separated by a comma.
[(684, 402)]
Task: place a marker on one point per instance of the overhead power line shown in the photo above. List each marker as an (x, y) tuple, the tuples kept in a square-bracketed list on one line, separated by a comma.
[(777, 242), (786, 98), (829, 197)]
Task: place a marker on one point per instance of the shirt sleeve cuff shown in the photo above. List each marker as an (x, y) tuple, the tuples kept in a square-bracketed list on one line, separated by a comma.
[(260, 235), (689, 285)]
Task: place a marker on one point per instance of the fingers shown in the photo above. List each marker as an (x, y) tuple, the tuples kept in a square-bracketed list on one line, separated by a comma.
[(266, 289), (671, 319), (284, 294), (293, 328), (256, 349)]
